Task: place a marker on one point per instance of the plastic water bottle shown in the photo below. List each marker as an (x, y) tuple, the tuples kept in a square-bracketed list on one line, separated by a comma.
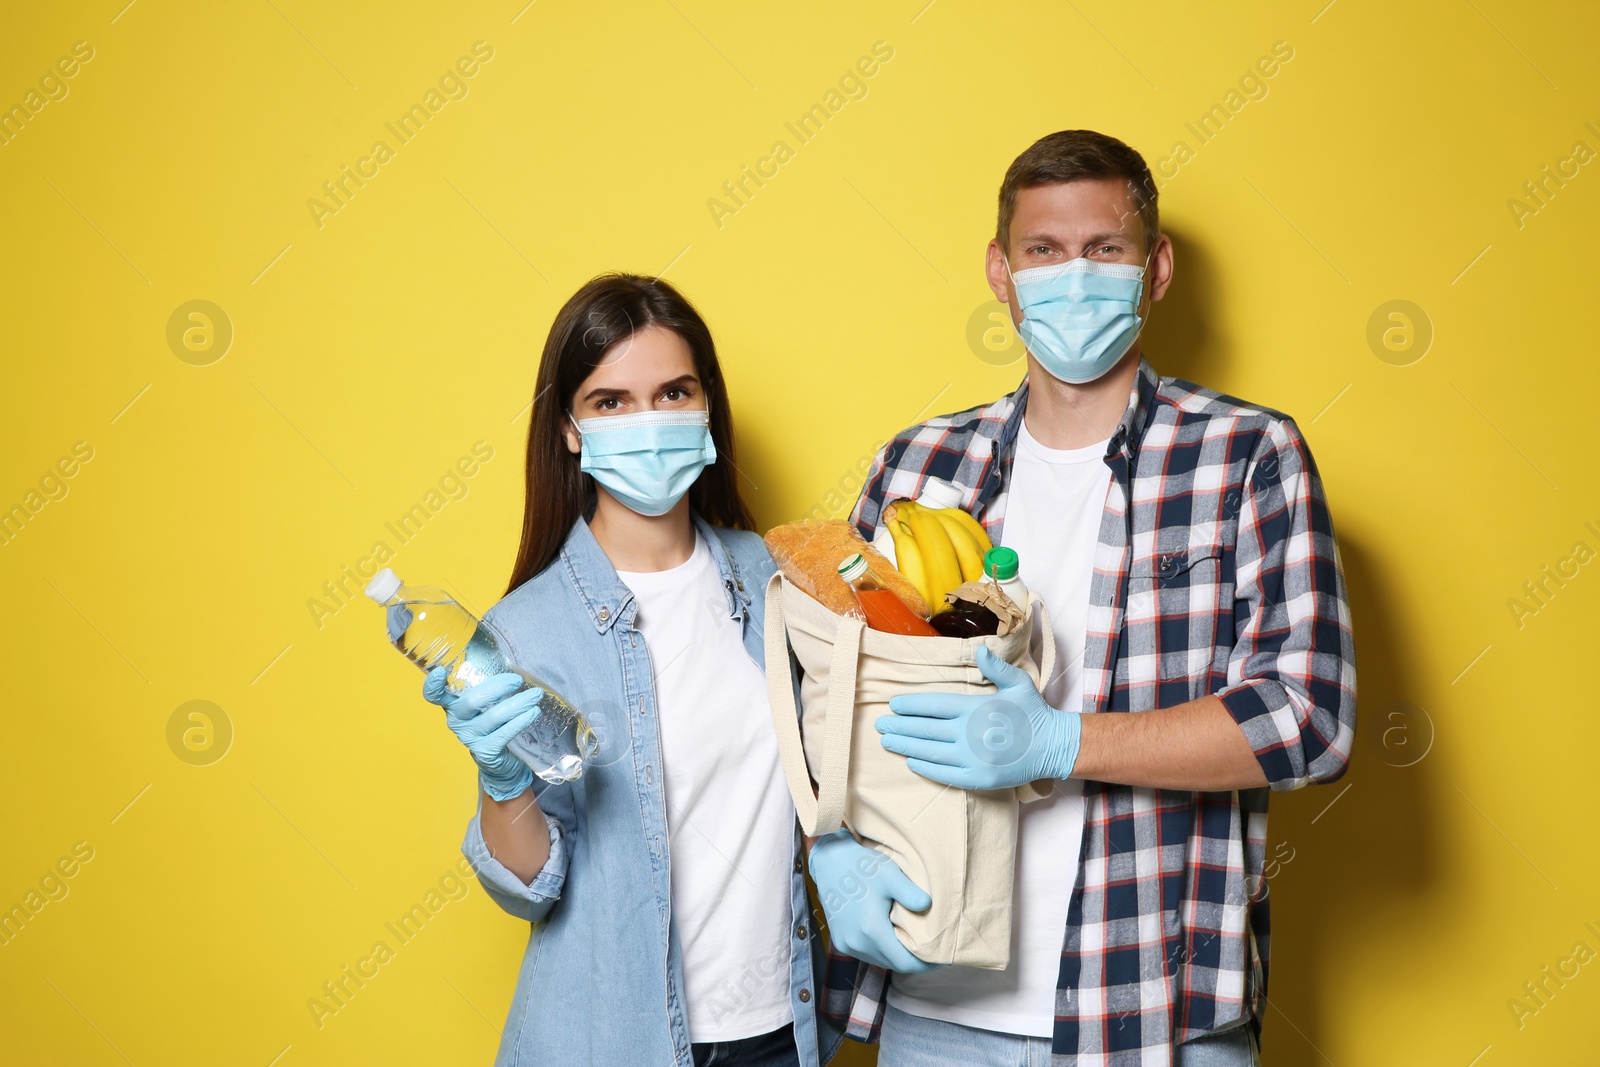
[(440, 632)]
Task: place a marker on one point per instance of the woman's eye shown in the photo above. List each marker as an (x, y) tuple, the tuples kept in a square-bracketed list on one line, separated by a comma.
[(674, 395), (609, 403)]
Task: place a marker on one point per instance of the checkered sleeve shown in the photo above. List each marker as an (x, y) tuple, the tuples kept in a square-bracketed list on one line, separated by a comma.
[(870, 503), (1291, 676)]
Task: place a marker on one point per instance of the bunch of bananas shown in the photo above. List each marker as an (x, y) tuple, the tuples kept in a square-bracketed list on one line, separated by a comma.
[(936, 548)]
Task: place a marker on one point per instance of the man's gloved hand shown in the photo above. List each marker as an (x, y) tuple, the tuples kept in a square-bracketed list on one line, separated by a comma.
[(857, 885), (985, 740), (485, 718)]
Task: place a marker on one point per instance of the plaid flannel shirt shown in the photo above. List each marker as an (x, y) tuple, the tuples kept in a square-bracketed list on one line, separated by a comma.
[(1216, 573)]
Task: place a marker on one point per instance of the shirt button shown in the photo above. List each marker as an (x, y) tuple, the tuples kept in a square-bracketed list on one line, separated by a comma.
[(799, 865), (801, 932), (805, 996), (605, 613)]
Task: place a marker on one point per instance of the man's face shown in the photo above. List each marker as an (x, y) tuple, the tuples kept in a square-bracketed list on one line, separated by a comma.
[(1094, 219)]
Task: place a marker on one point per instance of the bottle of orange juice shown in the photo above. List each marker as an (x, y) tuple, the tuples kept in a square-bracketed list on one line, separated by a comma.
[(881, 609)]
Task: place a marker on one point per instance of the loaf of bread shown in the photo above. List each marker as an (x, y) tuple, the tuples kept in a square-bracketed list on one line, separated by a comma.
[(809, 552)]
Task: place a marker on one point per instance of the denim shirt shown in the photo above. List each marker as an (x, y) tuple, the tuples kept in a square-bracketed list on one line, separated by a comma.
[(602, 978)]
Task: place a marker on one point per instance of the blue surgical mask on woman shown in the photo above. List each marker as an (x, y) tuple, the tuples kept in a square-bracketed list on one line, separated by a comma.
[(647, 459), (1079, 317)]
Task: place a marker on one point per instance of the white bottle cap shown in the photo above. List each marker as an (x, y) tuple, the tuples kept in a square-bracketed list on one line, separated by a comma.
[(939, 494), (383, 586)]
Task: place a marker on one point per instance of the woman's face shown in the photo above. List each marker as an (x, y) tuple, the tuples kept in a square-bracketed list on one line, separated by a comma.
[(653, 370)]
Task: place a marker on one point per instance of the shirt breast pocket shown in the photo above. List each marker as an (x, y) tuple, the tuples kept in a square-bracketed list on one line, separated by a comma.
[(1180, 612), (1187, 567)]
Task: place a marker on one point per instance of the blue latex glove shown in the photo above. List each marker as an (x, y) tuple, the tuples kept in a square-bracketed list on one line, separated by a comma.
[(857, 885), (485, 718), (984, 740)]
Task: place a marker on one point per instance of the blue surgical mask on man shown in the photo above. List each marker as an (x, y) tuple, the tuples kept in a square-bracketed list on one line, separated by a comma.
[(647, 459), (1080, 317)]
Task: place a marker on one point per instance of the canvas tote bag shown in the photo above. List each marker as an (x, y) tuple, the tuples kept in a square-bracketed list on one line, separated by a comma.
[(958, 845)]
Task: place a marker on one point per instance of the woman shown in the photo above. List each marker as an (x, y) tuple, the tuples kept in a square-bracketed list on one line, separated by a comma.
[(671, 919)]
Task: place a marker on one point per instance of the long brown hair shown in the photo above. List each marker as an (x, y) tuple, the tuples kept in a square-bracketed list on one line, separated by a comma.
[(607, 310)]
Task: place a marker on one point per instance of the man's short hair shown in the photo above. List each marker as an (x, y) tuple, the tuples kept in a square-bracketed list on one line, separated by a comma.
[(1073, 155)]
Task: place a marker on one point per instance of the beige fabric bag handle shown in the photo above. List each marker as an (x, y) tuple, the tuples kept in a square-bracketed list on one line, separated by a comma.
[(1047, 639), (786, 717), (1029, 792)]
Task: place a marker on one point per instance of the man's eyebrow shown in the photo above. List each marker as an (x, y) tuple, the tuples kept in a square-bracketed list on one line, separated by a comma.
[(1118, 235), (1031, 239)]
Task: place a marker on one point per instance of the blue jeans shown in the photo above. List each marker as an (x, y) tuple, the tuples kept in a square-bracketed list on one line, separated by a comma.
[(774, 1049), (913, 1041)]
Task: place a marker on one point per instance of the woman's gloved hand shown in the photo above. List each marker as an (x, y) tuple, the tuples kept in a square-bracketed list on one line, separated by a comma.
[(485, 718), (398, 618), (858, 885)]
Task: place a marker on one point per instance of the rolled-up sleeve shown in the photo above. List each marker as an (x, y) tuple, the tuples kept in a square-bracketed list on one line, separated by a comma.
[(524, 900), (1291, 677)]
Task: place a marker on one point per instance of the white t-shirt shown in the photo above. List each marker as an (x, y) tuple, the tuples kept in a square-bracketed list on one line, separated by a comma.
[(730, 822), (1053, 510)]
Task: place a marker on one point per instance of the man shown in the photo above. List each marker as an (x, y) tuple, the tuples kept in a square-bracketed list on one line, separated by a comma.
[(1182, 542)]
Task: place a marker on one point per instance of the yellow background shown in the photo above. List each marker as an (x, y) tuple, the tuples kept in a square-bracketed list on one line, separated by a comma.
[(372, 352)]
